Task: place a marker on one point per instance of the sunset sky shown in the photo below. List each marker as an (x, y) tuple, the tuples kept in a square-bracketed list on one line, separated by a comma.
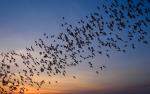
[(23, 21)]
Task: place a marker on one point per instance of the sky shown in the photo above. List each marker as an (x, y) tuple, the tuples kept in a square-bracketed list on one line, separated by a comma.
[(23, 21)]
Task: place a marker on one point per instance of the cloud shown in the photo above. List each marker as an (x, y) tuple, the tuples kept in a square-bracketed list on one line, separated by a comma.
[(139, 89)]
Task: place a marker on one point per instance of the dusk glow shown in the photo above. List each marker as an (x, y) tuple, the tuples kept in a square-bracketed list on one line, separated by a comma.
[(24, 21)]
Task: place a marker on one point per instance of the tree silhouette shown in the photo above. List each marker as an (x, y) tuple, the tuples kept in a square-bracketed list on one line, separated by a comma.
[(114, 27)]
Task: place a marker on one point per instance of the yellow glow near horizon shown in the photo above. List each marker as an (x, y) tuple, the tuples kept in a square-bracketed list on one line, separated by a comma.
[(65, 85)]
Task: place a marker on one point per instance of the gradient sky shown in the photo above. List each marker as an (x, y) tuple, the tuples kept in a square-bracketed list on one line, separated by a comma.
[(23, 21)]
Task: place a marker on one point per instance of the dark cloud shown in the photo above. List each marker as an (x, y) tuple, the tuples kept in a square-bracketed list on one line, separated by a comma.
[(139, 89)]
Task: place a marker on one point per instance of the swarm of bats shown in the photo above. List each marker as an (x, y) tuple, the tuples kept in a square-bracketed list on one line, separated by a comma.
[(114, 27)]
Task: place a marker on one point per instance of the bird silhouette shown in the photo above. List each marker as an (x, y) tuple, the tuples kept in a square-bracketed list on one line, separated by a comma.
[(94, 35)]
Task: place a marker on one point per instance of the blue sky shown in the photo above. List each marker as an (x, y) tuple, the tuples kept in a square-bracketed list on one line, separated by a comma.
[(30, 17), (23, 21)]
